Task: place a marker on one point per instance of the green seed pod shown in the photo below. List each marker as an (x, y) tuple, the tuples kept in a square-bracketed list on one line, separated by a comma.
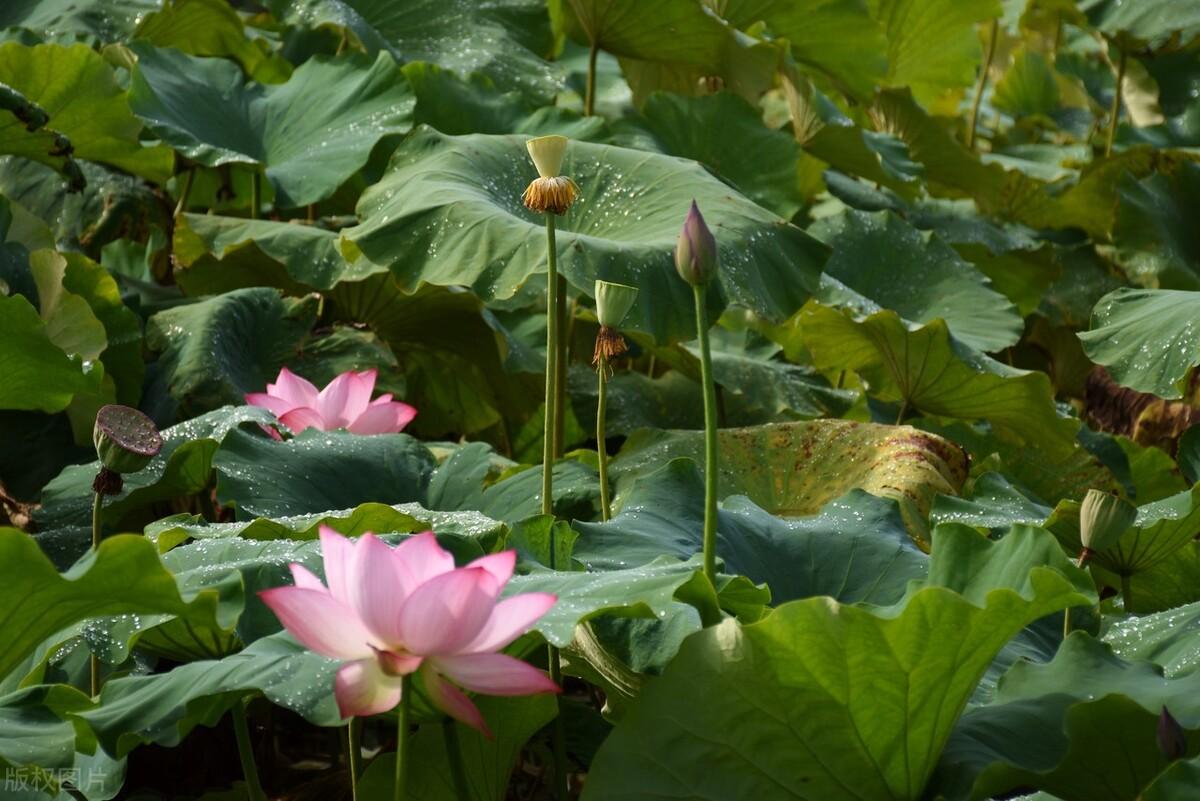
[(126, 440), (696, 250), (613, 302), (1103, 518)]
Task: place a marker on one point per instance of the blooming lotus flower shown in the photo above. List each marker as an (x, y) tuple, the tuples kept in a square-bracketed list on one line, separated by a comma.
[(344, 403), (389, 612)]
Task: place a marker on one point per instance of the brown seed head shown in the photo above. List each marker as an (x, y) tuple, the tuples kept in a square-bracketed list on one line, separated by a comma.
[(550, 194)]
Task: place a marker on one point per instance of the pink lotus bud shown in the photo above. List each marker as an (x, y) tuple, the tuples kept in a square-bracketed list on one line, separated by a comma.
[(696, 251)]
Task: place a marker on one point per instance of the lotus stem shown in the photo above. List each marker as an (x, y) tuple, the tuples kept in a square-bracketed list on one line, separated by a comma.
[(1114, 113), (241, 730), (565, 325), (601, 438), (981, 84), (1127, 591), (93, 662), (255, 194), (551, 411), (354, 754), (454, 752), (561, 784), (184, 192), (402, 738), (710, 437), (589, 99)]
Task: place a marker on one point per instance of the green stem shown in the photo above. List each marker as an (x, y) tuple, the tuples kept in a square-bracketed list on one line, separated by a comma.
[(903, 411), (710, 438), (589, 99), (981, 84), (561, 785), (181, 206), (454, 751), (241, 730), (93, 662), (402, 738), (551, 421), (354, 754), (1127, 591), (1114, 113), (255, 194), (1066, 622), (565, 325), (601, 439)]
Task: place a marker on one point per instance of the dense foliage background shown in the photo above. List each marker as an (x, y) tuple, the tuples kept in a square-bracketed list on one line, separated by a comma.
[(959, 285)]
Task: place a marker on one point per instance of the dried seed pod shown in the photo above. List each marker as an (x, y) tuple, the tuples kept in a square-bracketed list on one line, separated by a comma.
[(126, 440)]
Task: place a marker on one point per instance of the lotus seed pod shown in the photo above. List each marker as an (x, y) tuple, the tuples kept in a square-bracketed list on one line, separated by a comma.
[(1103, 518), (547, 153), (1172, 740), (696, 250), (613, 302), (126, 440)]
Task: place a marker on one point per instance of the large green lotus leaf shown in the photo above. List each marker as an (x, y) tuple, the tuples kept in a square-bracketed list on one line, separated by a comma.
[(37, 373), (162, 708), (183, 467), (1147, 338), (1176, 783), (1161, 529), (449, 212), (1154, 24), (38, 745), (992, 503), (78, 89), (317, 471), (1170, 638), (795, 469), (881, 262), (212, 28), (1156, 243), (1171, 583), (926, 370), (855, 550), (125, 576), (74, 276), (488, 762), (1048, 477), (504, 41), (910, 26), (215, 351), (105, 20), (374, 517), (847, 702), (1029, 86), (726, 134), (835, 38), (1087, 724), (309, 134), (671, 31)]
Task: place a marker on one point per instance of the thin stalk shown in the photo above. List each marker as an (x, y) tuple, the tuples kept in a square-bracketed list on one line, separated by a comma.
[(454, 751), (255, 194), (601, 439), (93, 662), (589, 99), (981, 84), (402, 738), (903, 411), (1114, 113), (354, 754), (710, 438), (241, 730), (552, 318), (185, 191), (565, 327), (1127, 591)]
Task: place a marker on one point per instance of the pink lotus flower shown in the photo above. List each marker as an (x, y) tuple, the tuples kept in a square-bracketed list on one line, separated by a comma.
[(344, 403), (391, 612)]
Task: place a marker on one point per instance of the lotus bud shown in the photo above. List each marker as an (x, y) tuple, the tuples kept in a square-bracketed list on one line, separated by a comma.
[(613, 302), (1172, 740), (126, 440), (549, 192), (1103, 518), (696, 250)]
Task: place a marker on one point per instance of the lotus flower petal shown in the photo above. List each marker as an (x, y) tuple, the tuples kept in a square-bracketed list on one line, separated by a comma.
[(362, 688), (383, 418), (293, 389), (511, 618), (451, 700), (320, 622), (448, 611), (494, 674), (303, 417)]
